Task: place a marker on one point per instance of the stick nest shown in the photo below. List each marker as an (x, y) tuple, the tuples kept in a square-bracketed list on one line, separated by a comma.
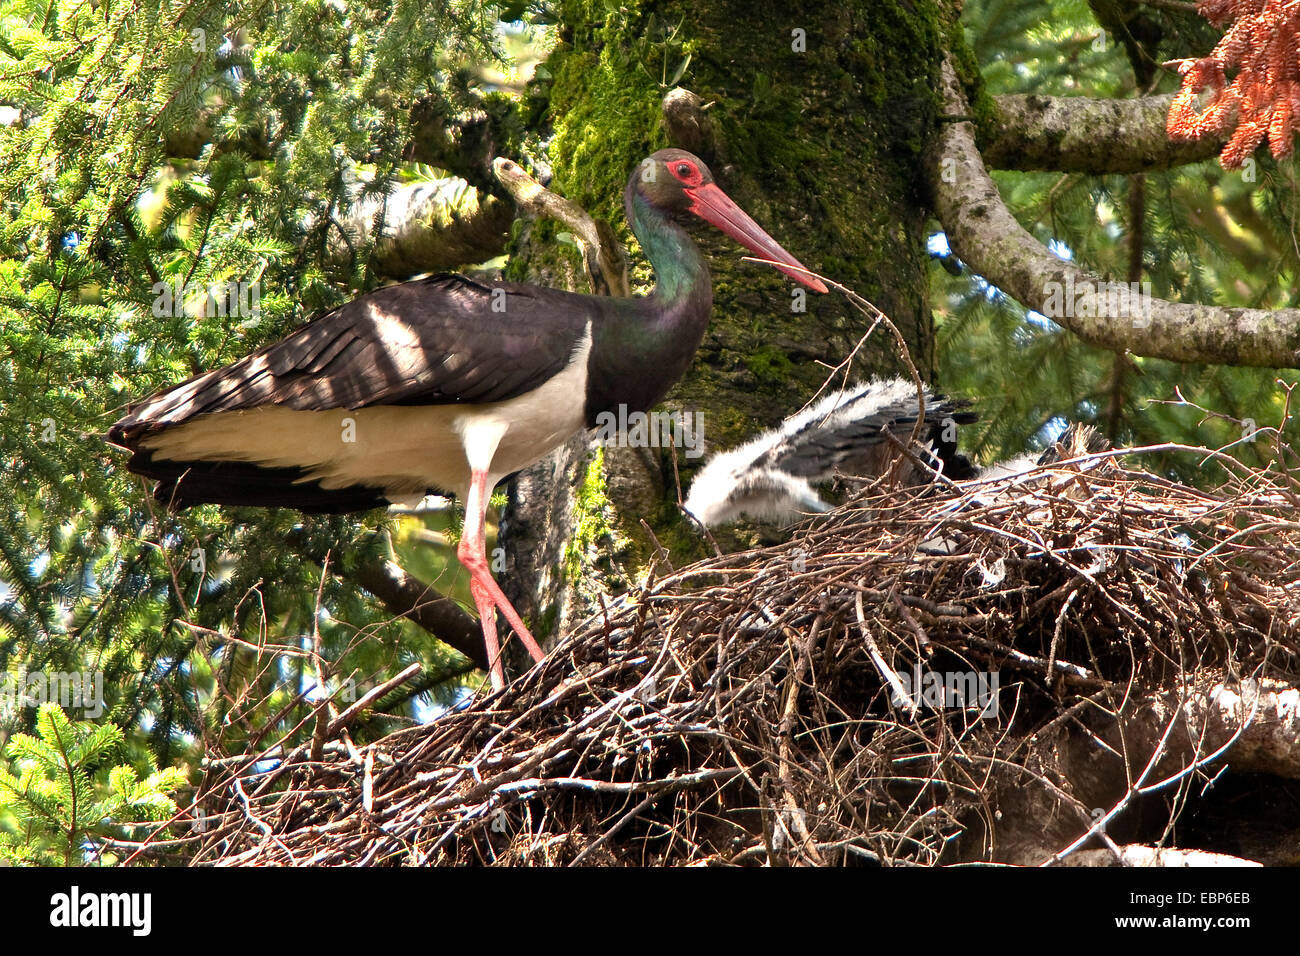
[(755, 708)]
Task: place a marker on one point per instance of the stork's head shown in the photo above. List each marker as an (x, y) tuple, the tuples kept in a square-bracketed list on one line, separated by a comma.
[(676, 181)]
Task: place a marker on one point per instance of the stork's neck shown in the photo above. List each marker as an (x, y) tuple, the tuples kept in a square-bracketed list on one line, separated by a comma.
[(643, 345), (682, 288)]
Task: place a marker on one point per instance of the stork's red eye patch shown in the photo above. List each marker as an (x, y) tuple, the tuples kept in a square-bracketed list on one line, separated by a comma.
[(686, 173)]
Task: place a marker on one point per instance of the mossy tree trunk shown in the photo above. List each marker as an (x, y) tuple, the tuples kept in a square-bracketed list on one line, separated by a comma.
[(819, 113)]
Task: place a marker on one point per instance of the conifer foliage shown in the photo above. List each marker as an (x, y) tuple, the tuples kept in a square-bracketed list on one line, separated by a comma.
[(1261, 49), (67, 793)]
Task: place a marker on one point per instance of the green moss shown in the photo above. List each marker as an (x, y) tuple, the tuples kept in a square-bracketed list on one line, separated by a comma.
[(604, 112), (591, 157), (604, 104), (770, 365), (592, 511), (546, 627), (983, 108)]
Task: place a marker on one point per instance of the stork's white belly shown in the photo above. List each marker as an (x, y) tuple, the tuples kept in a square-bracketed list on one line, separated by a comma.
[(404, 449)]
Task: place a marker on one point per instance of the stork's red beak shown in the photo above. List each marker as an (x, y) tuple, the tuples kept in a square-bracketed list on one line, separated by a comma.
[(713, 205)]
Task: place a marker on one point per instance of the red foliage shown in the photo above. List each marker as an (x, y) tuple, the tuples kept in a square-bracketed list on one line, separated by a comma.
[(1263, 99)]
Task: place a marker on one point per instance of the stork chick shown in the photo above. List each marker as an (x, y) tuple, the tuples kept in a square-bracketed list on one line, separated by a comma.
[(772, 477)]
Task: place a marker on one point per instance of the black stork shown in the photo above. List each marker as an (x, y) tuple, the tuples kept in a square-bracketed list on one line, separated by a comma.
[(772, 477), (445, 384)]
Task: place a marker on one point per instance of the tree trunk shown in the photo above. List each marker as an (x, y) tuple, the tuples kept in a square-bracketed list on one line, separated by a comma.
[(815, 122)]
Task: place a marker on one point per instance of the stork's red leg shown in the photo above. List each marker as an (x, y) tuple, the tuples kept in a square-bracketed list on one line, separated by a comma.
[(487, 615), (488, 596)]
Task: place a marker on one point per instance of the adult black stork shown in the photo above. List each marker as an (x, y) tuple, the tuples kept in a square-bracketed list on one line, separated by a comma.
[(445, 384)]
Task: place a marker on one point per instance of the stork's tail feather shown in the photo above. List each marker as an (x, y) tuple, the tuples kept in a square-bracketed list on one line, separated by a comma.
[(183, 484)]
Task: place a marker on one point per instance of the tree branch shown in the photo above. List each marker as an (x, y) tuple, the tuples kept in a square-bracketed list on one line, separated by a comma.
[(408, 596), (1077, 134), (1155, 856), (603, 257), (984, 233), (427, 226), (463, 143)]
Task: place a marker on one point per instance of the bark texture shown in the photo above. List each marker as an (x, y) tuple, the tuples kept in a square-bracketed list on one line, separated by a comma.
[(1077, 134)]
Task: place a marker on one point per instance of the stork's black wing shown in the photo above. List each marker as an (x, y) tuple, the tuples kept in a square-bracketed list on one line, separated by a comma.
[(841, 437), (440, 340)]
